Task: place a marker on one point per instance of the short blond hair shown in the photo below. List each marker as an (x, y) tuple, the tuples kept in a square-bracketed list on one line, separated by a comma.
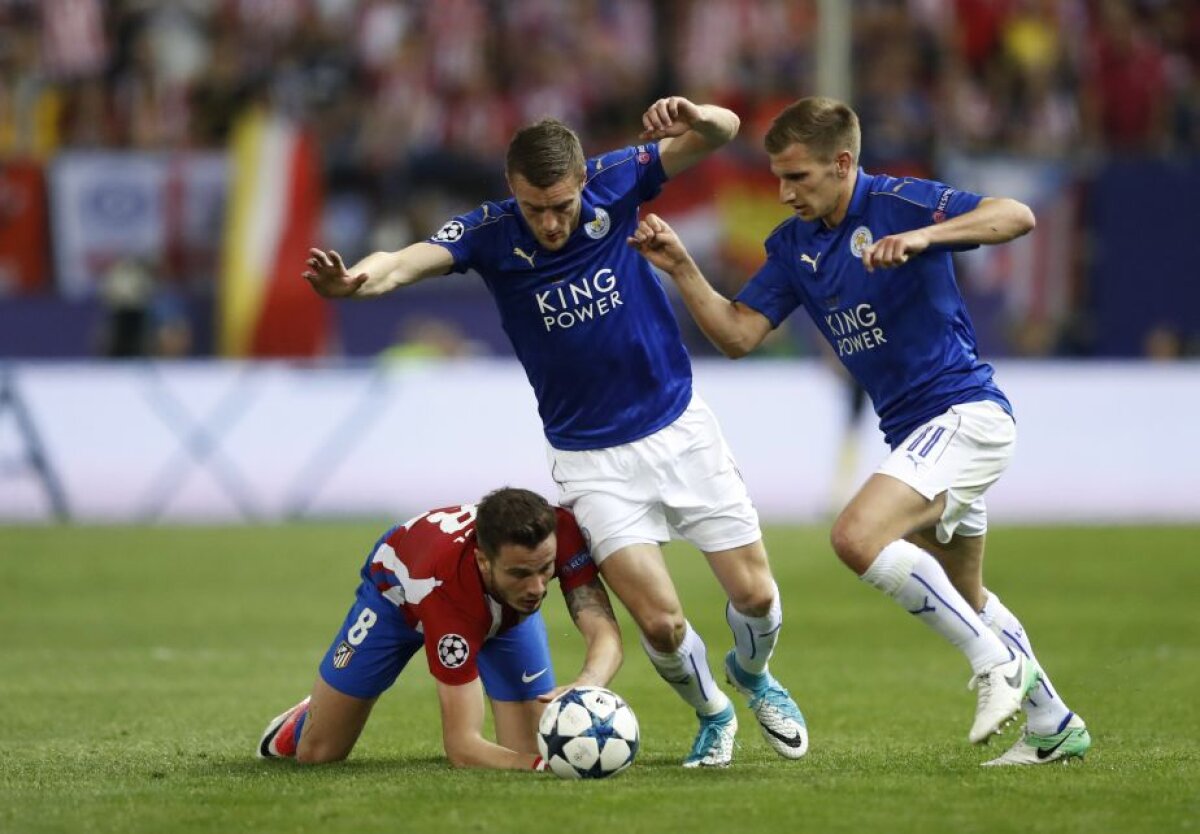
[(825, 126)]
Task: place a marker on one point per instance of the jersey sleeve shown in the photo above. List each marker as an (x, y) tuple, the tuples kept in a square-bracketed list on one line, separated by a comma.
[(770, 290), (465, 235), (935, 202), (636, 168), (573, 564)]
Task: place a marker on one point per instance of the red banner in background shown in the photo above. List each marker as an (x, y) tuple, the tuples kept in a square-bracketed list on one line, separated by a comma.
[(264, 307), (24, 236)]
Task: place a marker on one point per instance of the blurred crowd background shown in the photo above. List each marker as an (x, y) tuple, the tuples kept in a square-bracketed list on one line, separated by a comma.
[(121, 124)]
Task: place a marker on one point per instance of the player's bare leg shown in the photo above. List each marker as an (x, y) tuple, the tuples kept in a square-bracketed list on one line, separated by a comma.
[(755, 616), (322, 728), (517, 723), (638, 575), (870, 537), (1052, 731)]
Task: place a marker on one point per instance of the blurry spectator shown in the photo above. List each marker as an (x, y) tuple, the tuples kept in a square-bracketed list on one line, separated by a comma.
[(1126, 84), (29, 103), (170, 326), (217, 94), (1043, 118), (74, 40), (1163, 343), (1046, 121), (977, 31), (143, 318), (86, 115), (429, 337), (126, 292), (894, 107)]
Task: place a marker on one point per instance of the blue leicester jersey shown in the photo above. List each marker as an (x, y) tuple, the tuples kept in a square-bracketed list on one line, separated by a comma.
[(903, 333), (590, 322)]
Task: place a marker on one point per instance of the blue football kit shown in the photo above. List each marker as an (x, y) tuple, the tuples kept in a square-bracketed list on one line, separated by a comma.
[(903, 333), (591, 323)]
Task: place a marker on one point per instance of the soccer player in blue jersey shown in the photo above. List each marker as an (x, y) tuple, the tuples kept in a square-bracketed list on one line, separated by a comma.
[(868, 256), (635, 452)]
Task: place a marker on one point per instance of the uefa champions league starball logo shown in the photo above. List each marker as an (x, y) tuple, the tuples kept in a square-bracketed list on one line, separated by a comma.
[(451, 232), (452, 651)]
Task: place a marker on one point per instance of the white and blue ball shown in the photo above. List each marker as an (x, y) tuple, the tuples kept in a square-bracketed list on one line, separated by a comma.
[(588, 733)]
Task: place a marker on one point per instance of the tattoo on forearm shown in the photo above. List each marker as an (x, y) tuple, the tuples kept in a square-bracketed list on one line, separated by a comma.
[(590, 597)]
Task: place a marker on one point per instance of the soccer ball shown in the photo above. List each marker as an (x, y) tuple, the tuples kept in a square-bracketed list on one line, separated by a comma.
[(588, 733)]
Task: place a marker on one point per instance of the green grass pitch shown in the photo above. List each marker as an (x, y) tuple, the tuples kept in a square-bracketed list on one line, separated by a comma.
[(139, 665)]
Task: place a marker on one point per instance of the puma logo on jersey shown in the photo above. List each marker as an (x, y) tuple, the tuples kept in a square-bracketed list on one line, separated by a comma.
[(520, 253), (805, 259)]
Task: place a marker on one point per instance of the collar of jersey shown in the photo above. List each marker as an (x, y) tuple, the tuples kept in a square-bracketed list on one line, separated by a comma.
[(858, 200)]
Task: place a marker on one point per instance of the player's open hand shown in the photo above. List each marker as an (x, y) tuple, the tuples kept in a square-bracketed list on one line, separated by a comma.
[(328, 275), (547, 697), (658, 243), (894, 250), (671, 116)]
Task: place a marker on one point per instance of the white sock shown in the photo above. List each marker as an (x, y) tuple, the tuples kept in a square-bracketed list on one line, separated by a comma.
[(1046, 712), (754, 638), (914, 579), (686, 670)]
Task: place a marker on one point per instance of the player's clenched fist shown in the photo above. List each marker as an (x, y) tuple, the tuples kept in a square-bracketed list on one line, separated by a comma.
[(658, 243), (671, 116), (328, 275), (894, 250)]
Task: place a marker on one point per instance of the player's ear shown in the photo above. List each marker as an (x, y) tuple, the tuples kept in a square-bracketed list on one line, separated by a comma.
[(481, 560), (845, 163)]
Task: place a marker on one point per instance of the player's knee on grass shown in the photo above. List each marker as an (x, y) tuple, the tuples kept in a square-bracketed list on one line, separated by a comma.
[(312, 751)]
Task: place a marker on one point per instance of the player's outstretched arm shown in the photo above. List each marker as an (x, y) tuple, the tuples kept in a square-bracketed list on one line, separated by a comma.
[(734, 328), (994, 220), (687, 132), (377, 273), (593, 615), (462, 731)]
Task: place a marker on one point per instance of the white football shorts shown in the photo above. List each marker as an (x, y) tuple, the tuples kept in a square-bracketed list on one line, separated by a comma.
[(681, 479), (961, 453)]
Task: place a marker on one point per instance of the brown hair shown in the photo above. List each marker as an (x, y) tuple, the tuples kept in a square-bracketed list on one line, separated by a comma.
[(825, 126), (513, 516), (544, 153)]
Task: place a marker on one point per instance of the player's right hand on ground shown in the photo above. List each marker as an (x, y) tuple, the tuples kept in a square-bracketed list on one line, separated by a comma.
[(328, 276), (659, 244)]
